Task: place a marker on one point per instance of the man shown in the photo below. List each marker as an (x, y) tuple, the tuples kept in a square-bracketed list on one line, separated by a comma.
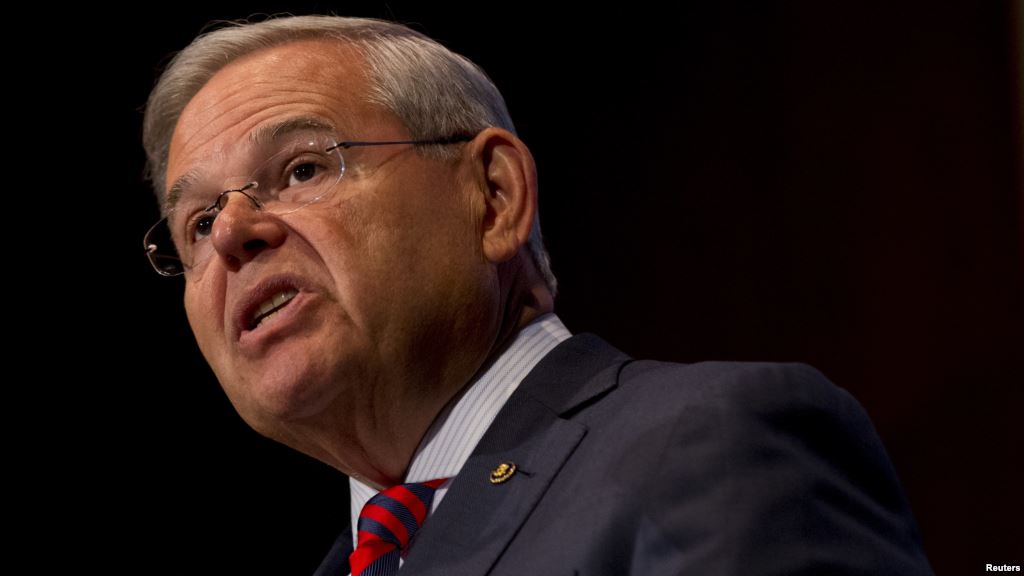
[(356, 222)]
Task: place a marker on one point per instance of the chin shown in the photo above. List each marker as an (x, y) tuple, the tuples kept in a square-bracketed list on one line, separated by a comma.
[(274, 397)]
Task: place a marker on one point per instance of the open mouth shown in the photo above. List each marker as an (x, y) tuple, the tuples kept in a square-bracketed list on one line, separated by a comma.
[(271, 306)]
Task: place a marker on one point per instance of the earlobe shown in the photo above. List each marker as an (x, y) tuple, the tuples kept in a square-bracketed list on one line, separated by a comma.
[(509, 185)]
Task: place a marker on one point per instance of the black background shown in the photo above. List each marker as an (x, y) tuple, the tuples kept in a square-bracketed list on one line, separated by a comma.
[(831, 183)]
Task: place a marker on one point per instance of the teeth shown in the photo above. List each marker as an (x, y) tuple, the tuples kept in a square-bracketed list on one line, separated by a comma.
[(271, 304)]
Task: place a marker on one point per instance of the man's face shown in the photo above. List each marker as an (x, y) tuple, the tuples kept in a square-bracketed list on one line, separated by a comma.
[(391, 288)]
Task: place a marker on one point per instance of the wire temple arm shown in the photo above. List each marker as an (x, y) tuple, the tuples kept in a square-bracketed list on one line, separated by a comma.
[(441, 141)]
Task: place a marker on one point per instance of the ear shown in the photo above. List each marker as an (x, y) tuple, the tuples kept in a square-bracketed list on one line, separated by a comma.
[(507, 178)]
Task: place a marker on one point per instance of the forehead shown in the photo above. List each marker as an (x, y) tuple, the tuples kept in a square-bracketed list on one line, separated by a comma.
[(317, 79)]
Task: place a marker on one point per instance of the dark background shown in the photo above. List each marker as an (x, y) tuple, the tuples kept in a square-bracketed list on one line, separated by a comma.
[(831, 183)]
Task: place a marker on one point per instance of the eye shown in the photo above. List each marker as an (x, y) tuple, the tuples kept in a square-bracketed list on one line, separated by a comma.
[(303, 173), (200, 226), (204, 225)]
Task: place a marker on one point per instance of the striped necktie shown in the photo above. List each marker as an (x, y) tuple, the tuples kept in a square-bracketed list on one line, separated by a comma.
[(386, 525)]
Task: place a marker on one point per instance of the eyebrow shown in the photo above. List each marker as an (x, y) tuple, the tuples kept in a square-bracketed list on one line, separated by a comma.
[(272, 132), (177, 190), (260, 136)]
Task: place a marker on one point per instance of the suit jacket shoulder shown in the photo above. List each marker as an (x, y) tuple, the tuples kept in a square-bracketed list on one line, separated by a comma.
[(763, 468)]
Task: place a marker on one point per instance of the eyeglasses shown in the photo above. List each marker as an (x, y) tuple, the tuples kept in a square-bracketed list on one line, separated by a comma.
[(303, 169)]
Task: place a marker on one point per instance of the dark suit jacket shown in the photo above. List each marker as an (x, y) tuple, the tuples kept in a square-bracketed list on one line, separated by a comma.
[(638, 467)]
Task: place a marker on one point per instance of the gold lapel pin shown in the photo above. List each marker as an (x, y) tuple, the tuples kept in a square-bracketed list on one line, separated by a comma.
[(503, 472)]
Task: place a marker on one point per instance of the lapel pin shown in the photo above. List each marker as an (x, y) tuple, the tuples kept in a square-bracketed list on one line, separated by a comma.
[(503, 472)]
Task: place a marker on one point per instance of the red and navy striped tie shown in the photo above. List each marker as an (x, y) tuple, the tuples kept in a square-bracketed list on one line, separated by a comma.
[(386, 525)]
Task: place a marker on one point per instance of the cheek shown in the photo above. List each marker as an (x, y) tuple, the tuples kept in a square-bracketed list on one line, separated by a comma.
[(348, 252), (387, 246), (204, 309), (341, 235), (368, 246)]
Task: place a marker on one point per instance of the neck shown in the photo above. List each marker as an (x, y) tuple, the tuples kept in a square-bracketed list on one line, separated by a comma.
[(521, 307)]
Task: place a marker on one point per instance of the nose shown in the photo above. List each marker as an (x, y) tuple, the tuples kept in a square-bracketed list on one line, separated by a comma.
[(242, 231)]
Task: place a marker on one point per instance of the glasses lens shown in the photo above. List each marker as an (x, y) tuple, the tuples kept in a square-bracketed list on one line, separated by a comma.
[(295, 171), (160, 250), (299, 173)]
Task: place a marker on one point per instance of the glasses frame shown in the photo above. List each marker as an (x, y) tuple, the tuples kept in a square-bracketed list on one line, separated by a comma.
[(151, 249)]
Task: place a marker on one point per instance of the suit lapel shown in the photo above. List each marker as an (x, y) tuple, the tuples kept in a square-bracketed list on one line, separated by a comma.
[(336, 561), (534, 430)]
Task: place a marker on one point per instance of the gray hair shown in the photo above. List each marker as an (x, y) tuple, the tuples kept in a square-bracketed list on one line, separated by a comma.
[(432, 90)]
